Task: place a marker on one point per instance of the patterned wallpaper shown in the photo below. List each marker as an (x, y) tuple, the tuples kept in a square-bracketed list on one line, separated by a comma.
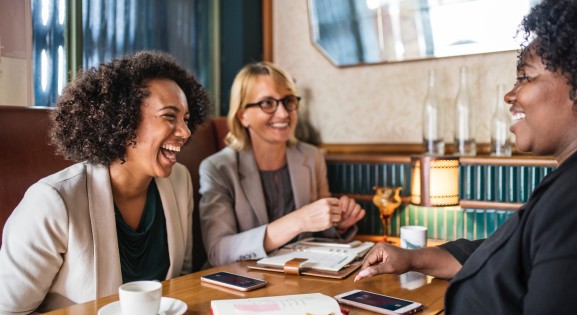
[(379, 103)]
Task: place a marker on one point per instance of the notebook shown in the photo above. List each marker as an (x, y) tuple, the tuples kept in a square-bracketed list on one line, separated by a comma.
[(325, 258)]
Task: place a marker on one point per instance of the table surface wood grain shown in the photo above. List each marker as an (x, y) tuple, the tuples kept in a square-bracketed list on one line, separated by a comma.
[(197, 295)]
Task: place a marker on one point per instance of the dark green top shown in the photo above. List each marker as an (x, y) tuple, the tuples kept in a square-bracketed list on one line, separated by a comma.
[(144, 251)]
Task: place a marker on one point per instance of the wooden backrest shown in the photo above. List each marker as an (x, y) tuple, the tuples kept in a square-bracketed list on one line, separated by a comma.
[(26, 157)]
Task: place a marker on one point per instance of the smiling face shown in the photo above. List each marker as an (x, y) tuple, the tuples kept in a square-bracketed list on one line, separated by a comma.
[(268, 129), (544, 116), (162, 132)]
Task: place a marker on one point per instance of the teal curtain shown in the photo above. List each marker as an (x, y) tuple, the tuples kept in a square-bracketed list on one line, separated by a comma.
[(114, 28), (49, 52), (180, 27)]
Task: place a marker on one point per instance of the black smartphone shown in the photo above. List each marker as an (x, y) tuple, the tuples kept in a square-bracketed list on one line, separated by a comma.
[(321, 241), (234, 281), (379, 303)]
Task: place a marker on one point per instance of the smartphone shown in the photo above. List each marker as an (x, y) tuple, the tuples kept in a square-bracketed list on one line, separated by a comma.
[(321, 241), (379, 303), (234, 281)]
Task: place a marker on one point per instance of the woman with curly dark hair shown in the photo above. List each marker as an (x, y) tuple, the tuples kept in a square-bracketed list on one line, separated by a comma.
[(123, 213), (528, 265)]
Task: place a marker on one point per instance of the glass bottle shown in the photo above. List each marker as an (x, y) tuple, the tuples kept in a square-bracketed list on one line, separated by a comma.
[(500, 123), (464, 132), (432, 125)]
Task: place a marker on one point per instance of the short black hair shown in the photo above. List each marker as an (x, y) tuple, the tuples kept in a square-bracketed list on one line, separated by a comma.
[(550, 30), (98, 113)]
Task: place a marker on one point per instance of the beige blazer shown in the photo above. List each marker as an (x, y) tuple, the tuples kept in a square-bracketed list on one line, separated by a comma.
[(60, 245), (232, 206)]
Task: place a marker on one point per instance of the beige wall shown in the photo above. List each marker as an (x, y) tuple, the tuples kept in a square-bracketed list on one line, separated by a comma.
[(379, 103)]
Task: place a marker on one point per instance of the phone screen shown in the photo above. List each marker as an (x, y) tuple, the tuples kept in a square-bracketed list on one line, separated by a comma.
[(377, 300), (235, 280)]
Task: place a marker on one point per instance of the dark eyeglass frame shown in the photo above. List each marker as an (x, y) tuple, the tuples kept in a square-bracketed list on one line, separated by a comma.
[(283, 100)]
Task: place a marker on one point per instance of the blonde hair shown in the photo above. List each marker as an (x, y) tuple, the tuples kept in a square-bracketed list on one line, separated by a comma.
[(238, 138)]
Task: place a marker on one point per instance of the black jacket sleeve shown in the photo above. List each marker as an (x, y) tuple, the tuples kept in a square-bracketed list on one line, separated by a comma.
[(462, 248)]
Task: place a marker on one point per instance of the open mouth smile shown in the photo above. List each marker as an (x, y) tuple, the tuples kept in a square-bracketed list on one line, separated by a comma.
[(170, 151)]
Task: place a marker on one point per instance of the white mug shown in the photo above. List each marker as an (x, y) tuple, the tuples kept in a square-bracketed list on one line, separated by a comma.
[(413, 236), (140, 297)]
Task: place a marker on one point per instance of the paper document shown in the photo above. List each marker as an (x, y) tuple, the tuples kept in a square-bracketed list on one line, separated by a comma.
[(314, 303)]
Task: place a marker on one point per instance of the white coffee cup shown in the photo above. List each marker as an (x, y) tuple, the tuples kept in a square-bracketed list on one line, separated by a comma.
[(413, 236), (140, 297)]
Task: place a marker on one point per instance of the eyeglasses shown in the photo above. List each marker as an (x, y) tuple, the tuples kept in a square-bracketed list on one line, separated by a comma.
[(270, 105)]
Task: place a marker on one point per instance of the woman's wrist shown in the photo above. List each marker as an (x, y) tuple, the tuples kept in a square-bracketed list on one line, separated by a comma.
[(295, 222)]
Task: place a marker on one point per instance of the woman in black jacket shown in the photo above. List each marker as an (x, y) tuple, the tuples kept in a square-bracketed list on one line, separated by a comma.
[(528, 266)]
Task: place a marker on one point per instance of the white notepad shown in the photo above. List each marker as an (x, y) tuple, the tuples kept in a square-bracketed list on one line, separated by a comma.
[(325, 258)]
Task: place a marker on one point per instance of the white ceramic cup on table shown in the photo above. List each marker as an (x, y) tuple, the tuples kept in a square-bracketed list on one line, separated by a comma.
[(140, 297), (413, 236)]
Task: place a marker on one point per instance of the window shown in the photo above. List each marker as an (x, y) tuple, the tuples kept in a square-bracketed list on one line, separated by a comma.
[(48, 52), (108, 29)]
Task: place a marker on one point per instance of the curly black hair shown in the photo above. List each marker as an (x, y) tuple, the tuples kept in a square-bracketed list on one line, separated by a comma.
[(98, 113), (550, 30)]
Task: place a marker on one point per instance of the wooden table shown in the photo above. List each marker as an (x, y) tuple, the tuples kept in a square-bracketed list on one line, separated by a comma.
[(427, 290)]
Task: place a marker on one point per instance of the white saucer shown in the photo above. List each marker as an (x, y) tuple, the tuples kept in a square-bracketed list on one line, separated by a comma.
[(168, 306)]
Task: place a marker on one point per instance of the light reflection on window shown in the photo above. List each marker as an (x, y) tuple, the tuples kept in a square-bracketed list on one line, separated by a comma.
[(45, 12), (61, 69), (49, 50), (475, 31), (61, 12), (43, 70)]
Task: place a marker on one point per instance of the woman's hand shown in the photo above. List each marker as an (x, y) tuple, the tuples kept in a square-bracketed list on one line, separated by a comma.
[(314, 217), (385, 258), (320, 215), (351, 213)]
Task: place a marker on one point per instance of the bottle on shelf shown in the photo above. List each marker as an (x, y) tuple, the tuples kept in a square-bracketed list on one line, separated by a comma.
[(432, 124), (464, 127), (500, 123)]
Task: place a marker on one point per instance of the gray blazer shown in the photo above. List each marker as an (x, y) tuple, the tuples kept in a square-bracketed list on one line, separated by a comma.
[(232, 206), (59, 246)]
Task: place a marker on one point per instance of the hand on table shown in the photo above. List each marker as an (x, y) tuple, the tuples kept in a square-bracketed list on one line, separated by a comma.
[(385, 258)]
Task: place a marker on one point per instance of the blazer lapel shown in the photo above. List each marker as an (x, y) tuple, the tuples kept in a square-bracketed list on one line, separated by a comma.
[(174, 232), (251, 185), (101, 209), (300, 176)]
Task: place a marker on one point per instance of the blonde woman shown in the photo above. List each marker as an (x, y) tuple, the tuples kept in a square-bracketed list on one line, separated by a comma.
[(266, 188)]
